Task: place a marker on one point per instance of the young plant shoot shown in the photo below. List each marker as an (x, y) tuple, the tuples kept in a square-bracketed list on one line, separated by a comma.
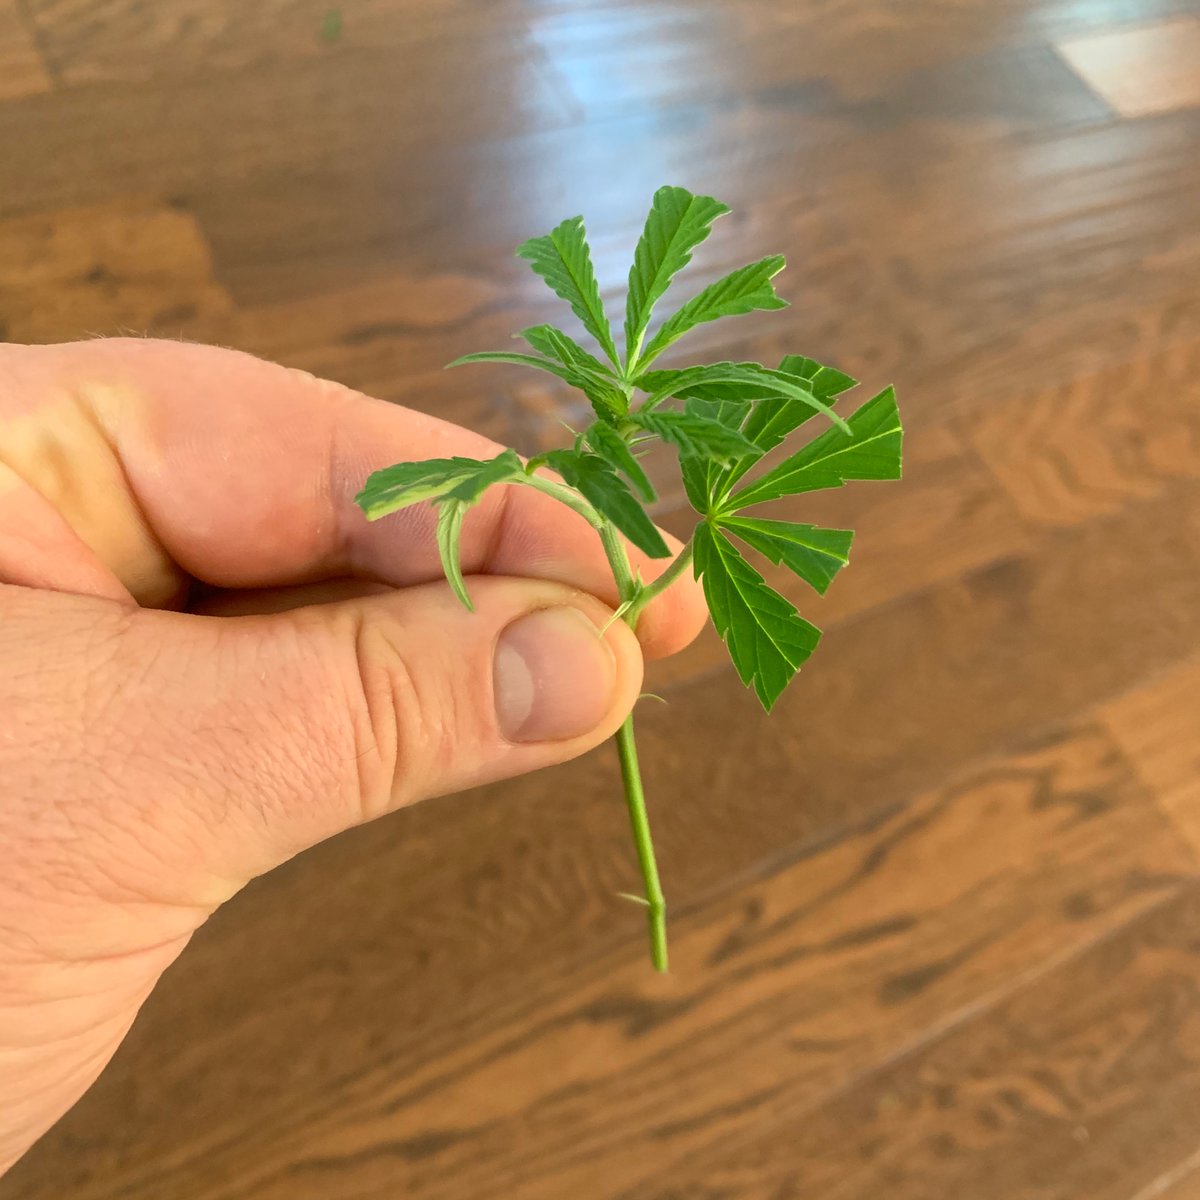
[(721, 418)]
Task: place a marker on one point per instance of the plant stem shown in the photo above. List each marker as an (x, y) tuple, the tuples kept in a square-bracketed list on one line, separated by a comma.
[(656, 905), (652, 591), (629, 589)]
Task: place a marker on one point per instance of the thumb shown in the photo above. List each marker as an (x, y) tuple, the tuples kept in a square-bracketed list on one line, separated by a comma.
[(207, 750)]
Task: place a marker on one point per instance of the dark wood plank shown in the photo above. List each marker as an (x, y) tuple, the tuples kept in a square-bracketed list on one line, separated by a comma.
[(1085, 1083), (784, 990)]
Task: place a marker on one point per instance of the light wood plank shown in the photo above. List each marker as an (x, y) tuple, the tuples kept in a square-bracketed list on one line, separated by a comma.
[(1142, 70), (131, 266)]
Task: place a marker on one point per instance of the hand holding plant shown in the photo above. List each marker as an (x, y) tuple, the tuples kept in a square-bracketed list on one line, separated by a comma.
[(722, 418)]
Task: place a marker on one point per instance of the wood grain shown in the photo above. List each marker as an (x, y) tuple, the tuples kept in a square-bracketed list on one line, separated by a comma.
[(839, 957), (1085, 1083), (136, 266), (22, 71), (1155, 724)]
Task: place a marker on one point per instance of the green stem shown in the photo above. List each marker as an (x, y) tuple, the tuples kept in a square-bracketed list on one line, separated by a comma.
[(656, 905), (651, 591), (629, 589)]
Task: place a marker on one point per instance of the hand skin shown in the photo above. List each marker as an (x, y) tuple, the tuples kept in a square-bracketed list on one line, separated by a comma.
[(211, 661)]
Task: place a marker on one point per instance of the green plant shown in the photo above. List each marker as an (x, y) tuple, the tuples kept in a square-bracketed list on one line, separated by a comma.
[(730, 415)]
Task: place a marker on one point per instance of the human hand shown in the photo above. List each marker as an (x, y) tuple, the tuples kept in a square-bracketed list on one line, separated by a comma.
[(207, 665)]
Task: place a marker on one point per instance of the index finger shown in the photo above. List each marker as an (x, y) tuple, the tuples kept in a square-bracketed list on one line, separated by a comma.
[(243, 474)]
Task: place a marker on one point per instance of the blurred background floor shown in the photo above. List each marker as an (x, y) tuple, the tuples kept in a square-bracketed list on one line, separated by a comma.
[(936, 923)]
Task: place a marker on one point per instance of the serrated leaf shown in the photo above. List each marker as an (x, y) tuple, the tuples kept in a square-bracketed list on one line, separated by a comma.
[(766, 637), (774, 417), (747, 381), (553, 343), (700, 479), (871, 450), (742, 291), (814, 553), (406, 484), (591, 476), (677, 223), (449, 535), (553, 366), (615, 451), (696, 436), (696, 477), (587, 372), (826, 382), (563, 260)]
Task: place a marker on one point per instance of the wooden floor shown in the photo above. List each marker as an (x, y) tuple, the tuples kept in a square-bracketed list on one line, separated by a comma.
[(937, 922)]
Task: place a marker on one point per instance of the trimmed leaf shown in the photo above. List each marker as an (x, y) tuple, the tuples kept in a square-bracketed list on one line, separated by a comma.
[(677, 223), (521, 360), (751, 381), (871, 450), (615, 451), (700, 478), (449, 535), (826, 382), (766, 637), (553, 343), (406, 484), (453, 485), (696, 436), (742, 291), (588, 373), (563, 260), (689, 383), (600, 485), (812, 552)]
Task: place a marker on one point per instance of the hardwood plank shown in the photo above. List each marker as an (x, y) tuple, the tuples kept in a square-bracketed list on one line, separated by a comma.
[(1141, 70), (134, 265), (783, 991), (1084, 1083), (1155, 724), (1088, 446), (348, 115), (22, 72), (122, 41)]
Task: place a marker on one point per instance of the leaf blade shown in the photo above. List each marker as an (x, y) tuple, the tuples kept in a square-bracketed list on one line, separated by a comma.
[(747, 289), (449, 536), (677, 223), (812, 552), (612, 447), (586, 372), (766, 637), (695, 435), (600, 485), (871, 450), (563, 259)]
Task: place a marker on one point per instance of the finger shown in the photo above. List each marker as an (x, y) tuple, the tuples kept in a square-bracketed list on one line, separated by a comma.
[(242, 474), (258, 736)]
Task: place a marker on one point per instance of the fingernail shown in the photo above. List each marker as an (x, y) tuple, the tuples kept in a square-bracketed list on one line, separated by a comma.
[(554, 676)]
